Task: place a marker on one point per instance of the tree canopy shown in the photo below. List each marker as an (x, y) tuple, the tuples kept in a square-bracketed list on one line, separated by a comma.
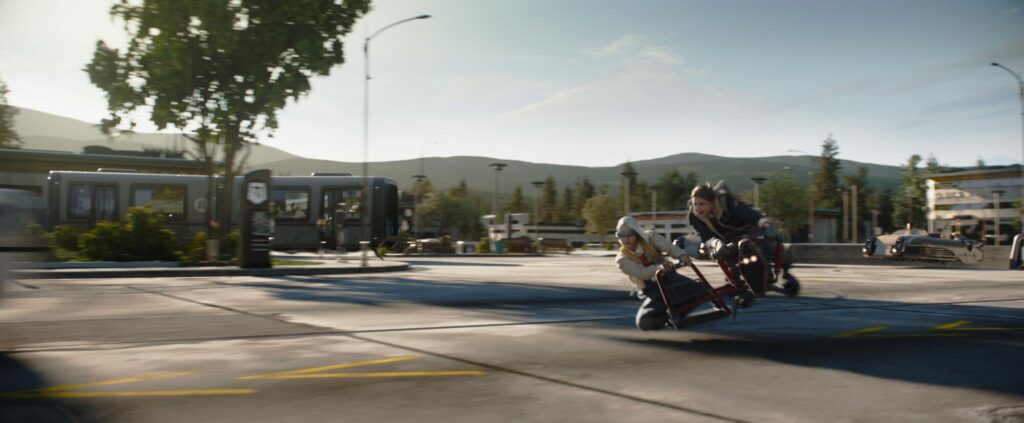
[(221, 69), (826, 176), (8, 137), (601, 213), (909, 205)]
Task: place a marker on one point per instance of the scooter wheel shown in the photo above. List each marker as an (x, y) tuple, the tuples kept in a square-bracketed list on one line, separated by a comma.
[(745, 299)]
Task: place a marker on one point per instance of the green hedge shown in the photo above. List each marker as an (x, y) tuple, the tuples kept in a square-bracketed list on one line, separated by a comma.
[(141, 237)]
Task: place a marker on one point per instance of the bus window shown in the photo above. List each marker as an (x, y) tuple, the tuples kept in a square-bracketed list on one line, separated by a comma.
[(290, 204), (167, 199), (80, 202)]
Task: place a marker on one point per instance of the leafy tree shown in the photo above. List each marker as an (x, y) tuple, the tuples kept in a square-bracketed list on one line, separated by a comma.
[(8, 137), (909, 201), (601, 213), (584, 191), (459, 216), (674, 189), (221, 69), (548, 212), (826, 176), (784, 200), (461, 190)]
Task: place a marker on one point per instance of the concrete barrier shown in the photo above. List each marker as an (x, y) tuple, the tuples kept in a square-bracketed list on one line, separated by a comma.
[(995, 257)]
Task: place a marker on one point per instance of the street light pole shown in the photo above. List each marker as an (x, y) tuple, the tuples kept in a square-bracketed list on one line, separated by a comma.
[(494, 194), (1020, 95), (629, 174), (757, 192), (366, 203), (536, 218), (415, 205)]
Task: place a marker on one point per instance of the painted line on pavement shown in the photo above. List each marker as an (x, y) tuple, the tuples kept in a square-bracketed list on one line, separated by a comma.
[(312, 372), (173, 393), (100, 383)]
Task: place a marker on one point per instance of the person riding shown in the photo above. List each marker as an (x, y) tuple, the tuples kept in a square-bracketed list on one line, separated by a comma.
[(719, 218), (641, 255)]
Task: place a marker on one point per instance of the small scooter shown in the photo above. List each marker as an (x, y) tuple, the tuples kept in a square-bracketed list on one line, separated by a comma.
[(744, 261), (679, 311)]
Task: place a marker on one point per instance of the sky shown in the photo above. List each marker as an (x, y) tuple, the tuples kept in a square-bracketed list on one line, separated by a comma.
[(600, 82)]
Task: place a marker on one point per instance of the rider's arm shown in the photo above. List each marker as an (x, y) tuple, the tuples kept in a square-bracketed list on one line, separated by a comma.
[(663, 244), (635, 269), (745, 213)]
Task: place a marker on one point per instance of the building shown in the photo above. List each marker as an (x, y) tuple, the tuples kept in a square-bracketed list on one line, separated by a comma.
[(27, 169), (965, 202)]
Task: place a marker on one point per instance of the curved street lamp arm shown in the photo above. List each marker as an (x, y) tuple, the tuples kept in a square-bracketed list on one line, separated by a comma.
[(394, 24), (1015, 74)]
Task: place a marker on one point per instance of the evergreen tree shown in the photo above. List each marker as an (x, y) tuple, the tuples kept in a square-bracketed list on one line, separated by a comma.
[(460, 190), (932, 166), (565, 212), (548, 212), (826, 177), (8, 137), (674, 189), (909, 201), (518, 203), (584, 191)]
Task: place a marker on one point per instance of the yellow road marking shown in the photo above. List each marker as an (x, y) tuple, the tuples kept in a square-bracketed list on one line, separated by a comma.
[(313, 372), (860, 332), (332, 367), (380, 374), (100, 383), (185, 392), (959, 326)]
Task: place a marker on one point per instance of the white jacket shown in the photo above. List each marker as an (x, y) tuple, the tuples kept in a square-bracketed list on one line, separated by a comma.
[(636, 271)]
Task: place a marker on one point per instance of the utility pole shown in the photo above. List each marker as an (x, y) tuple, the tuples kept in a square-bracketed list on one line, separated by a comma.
[(846, 215), (626, 200), (494, 194), (853, 214)]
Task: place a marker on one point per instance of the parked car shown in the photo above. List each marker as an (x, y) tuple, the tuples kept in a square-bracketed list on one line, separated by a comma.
[(919, 245)]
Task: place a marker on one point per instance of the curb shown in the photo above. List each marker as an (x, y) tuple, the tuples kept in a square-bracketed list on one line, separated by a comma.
[(194, 272)]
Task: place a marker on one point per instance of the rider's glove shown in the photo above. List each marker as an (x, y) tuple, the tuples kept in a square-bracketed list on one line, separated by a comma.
[(716, 247), (684, 260)]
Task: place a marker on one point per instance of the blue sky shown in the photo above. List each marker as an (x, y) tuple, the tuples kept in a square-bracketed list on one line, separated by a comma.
[(595, 83)]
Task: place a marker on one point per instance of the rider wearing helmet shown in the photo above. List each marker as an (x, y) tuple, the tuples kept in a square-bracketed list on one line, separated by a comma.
[(641, 255), (719, 219)]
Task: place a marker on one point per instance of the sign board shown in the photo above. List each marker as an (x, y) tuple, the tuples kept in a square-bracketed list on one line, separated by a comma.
[(256, 193)]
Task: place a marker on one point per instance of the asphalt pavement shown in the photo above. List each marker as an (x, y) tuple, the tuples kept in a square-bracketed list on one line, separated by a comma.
[(509, 339)]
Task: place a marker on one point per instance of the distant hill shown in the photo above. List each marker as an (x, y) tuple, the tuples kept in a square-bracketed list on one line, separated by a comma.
[(45, 131), (447, 171)]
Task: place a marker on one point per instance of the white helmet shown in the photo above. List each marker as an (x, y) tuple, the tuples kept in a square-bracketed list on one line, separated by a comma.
[(629, 226)]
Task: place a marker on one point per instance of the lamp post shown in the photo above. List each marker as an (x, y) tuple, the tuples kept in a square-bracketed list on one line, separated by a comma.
[(366, 203), (846, 214), (629, 174), (995, 217), (415, 205), (1020, 95), (494, 194), (536, 214), (810, 195), (757, 192), (853, 212)]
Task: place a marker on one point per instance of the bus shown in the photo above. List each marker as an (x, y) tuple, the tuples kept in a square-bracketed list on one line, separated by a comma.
[(309, 211)]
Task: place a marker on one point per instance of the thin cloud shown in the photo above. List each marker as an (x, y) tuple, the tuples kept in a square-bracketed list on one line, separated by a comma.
[(632, 47)]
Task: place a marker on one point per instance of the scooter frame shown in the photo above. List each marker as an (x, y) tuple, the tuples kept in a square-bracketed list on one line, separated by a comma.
[(750, 255), (679, 316)]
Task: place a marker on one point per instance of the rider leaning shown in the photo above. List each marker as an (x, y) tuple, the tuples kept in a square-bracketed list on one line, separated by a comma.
[(720, 218), (640, 256)]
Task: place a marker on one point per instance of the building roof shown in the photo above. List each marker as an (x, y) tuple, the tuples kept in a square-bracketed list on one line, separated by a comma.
[(989, 172)]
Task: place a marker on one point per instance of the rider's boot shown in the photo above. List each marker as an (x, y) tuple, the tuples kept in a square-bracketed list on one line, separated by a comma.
[(705, 316)]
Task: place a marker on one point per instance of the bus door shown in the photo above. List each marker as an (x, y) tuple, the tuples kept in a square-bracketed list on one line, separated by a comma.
[(340, 210), (105, 203)]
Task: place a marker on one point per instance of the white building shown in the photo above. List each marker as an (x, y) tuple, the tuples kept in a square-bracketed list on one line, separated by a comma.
[(965, 202)]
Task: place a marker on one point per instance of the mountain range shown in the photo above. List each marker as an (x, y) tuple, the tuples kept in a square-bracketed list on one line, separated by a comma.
[(44, 131)]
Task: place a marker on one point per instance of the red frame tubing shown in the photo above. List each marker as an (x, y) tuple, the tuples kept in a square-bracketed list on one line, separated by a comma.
[(779, 250)]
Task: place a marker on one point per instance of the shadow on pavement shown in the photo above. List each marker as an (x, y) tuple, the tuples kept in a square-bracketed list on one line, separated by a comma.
[(983, 354), (15, 375)]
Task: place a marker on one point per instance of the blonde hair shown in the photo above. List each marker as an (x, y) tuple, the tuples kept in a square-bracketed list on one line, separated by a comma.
[(648, 248)]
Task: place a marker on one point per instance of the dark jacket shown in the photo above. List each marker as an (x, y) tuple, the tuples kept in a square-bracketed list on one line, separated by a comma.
[(736, 220)]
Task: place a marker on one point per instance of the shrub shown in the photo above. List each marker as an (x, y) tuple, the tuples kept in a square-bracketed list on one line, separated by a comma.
[(195, 251), (484, 246), (230, 248), (142, 236), (65, 238)]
